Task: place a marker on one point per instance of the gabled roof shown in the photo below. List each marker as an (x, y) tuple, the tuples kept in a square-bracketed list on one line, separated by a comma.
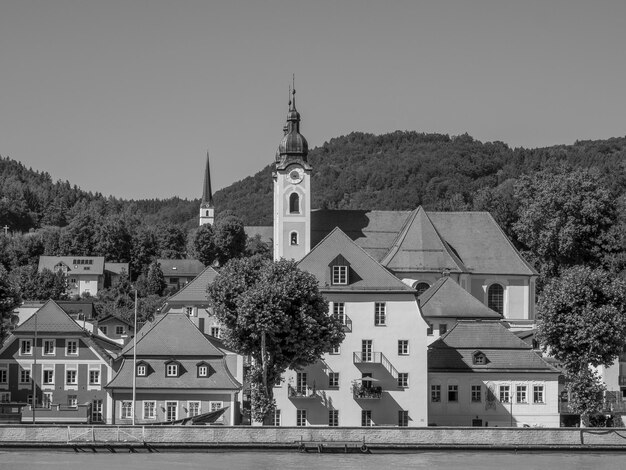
[(115, 318), (50, 318), (194, 292), (504, 351), (117, 268), (366, 274), (75, 264), (446, 298), (419, 247), (173, 335), (180, 267)]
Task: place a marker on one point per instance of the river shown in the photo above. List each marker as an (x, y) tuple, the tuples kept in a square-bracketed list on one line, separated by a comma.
[(240, 460)]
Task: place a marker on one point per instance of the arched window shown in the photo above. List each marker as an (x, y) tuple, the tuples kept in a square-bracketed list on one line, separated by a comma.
[(293, 238), (421, 287), (294, 203), (495, 298), (207, 213)]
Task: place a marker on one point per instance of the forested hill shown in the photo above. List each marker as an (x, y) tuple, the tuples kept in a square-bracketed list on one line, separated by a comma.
[(402, 170), (399, 170)]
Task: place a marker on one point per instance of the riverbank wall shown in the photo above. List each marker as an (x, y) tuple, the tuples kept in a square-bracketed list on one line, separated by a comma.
[(372, 438)]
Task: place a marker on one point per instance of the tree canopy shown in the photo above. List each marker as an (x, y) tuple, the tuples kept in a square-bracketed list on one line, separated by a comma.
[(9, 299)]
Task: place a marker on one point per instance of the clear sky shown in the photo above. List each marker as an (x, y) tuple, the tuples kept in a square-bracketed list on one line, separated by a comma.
[(125, 97)]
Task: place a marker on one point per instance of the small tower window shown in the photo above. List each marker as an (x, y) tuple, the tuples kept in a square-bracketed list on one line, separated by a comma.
[(293, 238), (495, 298), (206, 213), (294, 203)]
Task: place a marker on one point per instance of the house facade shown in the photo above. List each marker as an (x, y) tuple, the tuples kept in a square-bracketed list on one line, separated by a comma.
[(179, 272), (52, 358)]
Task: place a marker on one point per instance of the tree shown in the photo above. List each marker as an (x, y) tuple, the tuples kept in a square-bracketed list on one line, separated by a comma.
[(229, 237), (202, 244), (565, 219), (582, 323), (273, 312), (172, 241), (34, 285), (155, 282), (9, 299)]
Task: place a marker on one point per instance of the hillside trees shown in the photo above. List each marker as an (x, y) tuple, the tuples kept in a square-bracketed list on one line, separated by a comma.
[(273, 312), (9, 300), (34, 285)]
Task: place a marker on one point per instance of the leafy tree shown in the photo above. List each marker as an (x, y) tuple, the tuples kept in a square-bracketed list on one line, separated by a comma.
[(229, 238), (565, 219), (112, 240), (586, 392), (40, 286), (256, 246), (274, 313), (9, 299), (172, 241), (155, 280), (202, 244), (582, 323), (144, 250)]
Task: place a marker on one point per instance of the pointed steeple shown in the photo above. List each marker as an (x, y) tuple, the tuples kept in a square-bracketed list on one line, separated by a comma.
[(207, 194)]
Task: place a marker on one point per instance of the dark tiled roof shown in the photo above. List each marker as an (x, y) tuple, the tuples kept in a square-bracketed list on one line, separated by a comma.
[(502, 348), (220, 378), (172, 334), (180, 267), (116, 268), (50, 318), (75, 264), (446, 298), (365, 272), (195, 291)]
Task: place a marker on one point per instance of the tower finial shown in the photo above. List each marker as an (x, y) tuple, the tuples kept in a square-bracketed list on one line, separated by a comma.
[(293, 90)]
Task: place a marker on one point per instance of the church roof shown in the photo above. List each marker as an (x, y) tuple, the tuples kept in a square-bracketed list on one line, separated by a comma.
[(365, 273), (207, 194), (446, 298), (195, 291)]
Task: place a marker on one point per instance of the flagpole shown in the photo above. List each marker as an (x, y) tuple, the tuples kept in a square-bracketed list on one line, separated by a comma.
[(135, 360)]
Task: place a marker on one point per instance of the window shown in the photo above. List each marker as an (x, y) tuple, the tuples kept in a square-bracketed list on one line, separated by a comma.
[(403, 347), (294, 203), (149, 410), (340, 275), (72, 280), (301, 382), (193, 408), (119, 330), (443, 329), (403, 418), (421, 287), (47, 399), (142, 370), (71, 377), (380, 314), (173, 280), (275, 419), (96, 411), (293, 238), (172, 370), (429, 331), (104, 330), (26, 347), (333, 379), (339, 311), (520, 394), (127, 410), (48, 347), (171, 410), (479, 358), (538, 394), (366, 418), (72, 401), (333, 418), (453, 393), (477, 392), (215, 331), (71, 348), (5, 397), (403, 379), (300, 417), (24, 376), (505, 394), (367, 354), (336, 350), (48, 377), (94, 377), (203, 371), (495, 298), (4, 376), (189, 311), (435, 393)]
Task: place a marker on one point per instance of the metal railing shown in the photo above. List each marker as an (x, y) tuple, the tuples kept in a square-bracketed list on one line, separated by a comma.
[(299, 392), (360, 392), (375, 357)]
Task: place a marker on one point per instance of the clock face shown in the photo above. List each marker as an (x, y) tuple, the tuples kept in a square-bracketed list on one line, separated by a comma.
[(296, 175)]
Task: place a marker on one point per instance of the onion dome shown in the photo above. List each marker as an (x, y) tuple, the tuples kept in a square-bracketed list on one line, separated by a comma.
[(293, 145)]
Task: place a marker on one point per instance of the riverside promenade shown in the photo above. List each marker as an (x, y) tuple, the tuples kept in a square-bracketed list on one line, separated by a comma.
[(104, 438)]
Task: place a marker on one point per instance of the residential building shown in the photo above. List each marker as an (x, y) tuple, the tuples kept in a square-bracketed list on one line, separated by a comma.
[(482, 374), (68, 364), (180, 372), (178, 272), (116, 328)]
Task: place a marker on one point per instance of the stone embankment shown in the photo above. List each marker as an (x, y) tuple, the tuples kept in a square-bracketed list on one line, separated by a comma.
[(157, 438)]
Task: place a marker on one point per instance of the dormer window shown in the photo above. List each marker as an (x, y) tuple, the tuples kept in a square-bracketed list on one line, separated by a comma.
[(172, 369), (142, 370), (479, 358), (340, 275), (203, 369)]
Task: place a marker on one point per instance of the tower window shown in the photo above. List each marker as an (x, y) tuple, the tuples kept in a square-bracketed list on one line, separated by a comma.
[(294, 203), (293, 238), (495, 298), (206, 213)]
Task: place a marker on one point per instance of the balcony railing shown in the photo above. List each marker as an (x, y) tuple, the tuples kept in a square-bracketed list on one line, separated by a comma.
[(299, 392), (360, 357), (361, 392), (346, 321), (58, 414)]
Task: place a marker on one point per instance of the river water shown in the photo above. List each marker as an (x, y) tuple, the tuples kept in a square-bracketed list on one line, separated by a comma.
[(239, 460)]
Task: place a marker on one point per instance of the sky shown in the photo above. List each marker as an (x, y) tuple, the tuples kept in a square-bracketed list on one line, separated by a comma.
[(125, 97)]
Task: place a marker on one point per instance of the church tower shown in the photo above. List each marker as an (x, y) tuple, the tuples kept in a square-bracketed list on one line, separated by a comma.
[(207, 211), (292, 191)]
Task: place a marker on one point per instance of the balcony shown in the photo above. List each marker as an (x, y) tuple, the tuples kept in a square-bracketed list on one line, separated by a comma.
[(301, 393), (58, 414), (360, 392), (622, 380), (345, 321), (375, 358)]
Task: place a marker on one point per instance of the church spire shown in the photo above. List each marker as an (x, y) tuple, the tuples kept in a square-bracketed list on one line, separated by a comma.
[(207, 210)]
